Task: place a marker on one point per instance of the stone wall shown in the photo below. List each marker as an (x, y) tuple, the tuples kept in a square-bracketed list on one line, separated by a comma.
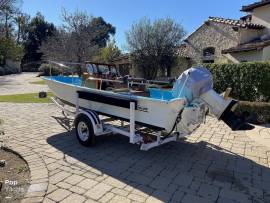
[(210, 34)]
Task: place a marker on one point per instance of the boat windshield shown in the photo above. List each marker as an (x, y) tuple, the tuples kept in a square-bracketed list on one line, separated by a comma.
[(103, 69), (92, 69), (113, 70)]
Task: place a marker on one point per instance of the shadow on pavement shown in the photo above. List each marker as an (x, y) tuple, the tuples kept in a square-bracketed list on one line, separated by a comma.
[(5, 81), (173, 171), (65, 122)]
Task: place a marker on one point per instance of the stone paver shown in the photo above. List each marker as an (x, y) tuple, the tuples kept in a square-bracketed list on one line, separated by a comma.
[(87, 184), (212, 165), (59, 195), (74, 198), (260, 134), (98, 191)]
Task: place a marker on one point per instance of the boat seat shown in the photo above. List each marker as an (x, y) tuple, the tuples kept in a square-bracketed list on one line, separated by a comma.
[(121, 90)]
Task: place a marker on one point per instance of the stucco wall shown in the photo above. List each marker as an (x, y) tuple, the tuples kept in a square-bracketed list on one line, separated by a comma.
[(261, 16), (247, 35), (266, 53), (218, 35)]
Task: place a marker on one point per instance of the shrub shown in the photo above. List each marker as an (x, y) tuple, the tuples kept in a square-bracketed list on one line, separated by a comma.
[(2, 60), (249, 81), (10, 70), (49, 69), (31, 66), (2, 71)]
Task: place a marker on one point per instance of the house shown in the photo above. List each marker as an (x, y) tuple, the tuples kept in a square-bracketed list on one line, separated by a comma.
[(221, 40), (228, 40), (126, 67)]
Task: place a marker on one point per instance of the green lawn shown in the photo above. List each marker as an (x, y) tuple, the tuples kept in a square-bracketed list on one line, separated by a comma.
[(26, 98), (41, 82)]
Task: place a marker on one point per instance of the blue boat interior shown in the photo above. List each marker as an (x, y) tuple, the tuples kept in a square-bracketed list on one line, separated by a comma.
[(155, 93)]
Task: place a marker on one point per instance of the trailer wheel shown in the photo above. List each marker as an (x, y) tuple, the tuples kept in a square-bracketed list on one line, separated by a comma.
[(84, 130)]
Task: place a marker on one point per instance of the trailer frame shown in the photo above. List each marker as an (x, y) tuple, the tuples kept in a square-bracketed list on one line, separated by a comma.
[(102, 128)]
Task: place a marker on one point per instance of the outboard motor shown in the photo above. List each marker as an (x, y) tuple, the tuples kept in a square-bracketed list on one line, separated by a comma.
[(196, 85)]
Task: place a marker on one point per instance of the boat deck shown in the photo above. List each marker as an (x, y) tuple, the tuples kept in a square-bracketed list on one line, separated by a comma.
[(143, 90)]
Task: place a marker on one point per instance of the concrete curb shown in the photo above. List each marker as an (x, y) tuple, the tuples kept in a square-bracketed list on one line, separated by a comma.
[(39, 179)]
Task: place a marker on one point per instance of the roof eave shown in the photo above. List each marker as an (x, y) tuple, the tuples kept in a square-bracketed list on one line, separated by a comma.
[(231, 51), (253, 6)]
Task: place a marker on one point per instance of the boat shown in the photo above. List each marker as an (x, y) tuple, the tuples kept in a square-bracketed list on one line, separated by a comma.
[(172, 113), (157, 111)]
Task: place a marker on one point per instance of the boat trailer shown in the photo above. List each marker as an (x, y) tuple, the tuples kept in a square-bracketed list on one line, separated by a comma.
[(88, 123)]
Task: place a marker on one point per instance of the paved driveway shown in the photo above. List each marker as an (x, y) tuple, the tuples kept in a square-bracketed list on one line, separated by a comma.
[(213, 165), (20, 84)]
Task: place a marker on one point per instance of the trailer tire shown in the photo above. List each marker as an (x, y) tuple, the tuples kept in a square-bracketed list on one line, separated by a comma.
[(84, 130)]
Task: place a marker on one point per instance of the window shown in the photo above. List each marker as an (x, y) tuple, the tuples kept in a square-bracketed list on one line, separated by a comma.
[(208, 55)]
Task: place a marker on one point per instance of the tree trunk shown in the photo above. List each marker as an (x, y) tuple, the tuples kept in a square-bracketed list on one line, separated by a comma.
[(19, 33), (6, 25), (168, 71), (79, 68)]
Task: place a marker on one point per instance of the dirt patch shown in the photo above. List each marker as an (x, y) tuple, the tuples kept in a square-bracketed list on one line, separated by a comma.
[(14, 177)]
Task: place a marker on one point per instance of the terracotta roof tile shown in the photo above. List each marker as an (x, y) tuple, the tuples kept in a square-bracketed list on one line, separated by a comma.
[(238, 23)]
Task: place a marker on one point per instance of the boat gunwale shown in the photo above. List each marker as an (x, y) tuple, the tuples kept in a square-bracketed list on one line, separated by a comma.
[(131, 97)]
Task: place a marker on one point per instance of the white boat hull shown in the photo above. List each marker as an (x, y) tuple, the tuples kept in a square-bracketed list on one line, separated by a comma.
[(155, 113)]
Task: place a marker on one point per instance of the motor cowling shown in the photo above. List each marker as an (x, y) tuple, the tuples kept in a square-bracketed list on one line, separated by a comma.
[(196, 84)]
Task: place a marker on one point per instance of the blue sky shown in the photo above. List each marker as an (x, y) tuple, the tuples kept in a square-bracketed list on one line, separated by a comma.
[(122, 13)]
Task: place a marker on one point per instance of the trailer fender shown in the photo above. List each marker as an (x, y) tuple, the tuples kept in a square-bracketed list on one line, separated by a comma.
[(93, 117)]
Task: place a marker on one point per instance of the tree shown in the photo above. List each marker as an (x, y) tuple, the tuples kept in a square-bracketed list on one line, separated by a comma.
[(8, 11), (22, 21), (8, 47), (9, 50), (153, 45), (37, 32), (80, 38), (58, 47), (108, 53)]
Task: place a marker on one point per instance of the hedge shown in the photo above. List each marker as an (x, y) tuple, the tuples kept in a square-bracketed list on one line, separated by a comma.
[(49, 69), (249, 81), (8, 70), (31, 66)]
